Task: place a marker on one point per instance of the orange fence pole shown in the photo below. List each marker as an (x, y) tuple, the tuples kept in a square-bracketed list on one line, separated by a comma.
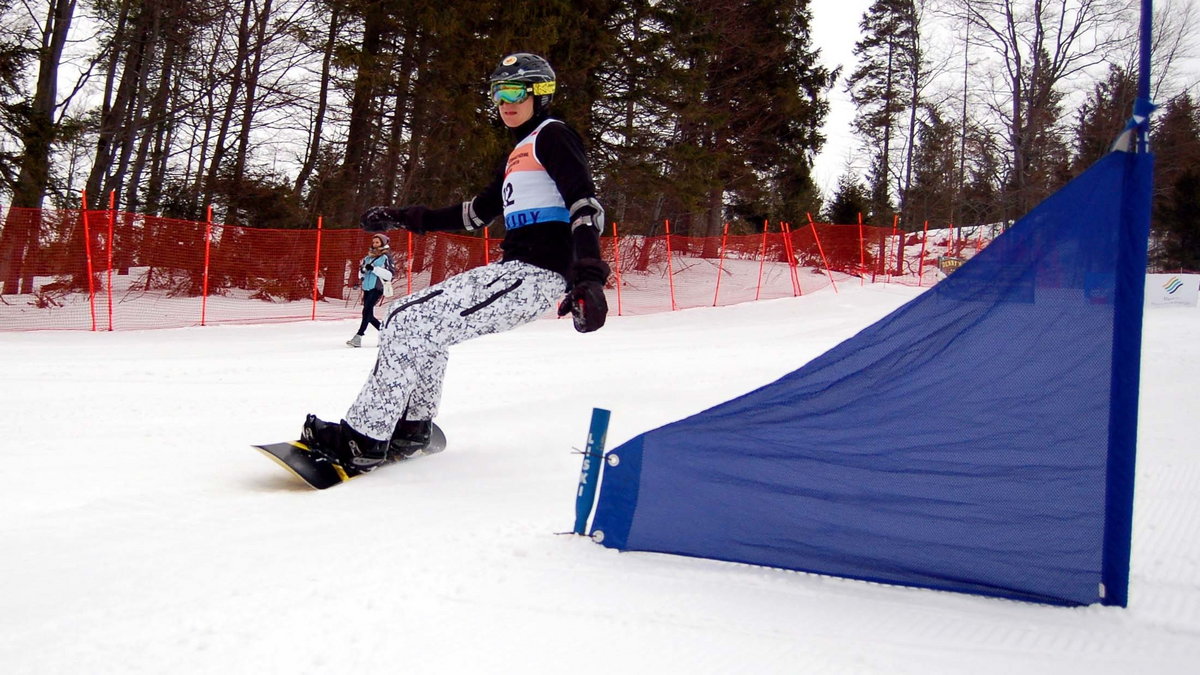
[(409, 265), (617, 265), (721, 263), (788, 247), (317, 265), (112, 218), (670, 266), (762, 258), (207, 256), (921, 263), (87, 252), (822, 252), (895, 232), (862, 253), (486, 245)]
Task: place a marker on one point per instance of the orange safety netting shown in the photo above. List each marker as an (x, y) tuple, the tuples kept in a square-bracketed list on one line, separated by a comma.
[(111, 270)]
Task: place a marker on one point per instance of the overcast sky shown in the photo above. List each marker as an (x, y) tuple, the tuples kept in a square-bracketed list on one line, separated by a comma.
[(835, 30)]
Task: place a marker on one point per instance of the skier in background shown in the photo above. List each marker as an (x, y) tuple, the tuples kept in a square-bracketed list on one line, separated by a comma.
[(375, 270), (551, 247)]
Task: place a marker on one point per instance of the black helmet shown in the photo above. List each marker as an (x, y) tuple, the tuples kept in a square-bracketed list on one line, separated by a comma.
[(530, 69)]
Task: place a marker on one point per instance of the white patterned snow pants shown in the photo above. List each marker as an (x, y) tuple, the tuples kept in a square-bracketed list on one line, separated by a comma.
[(419, 328)]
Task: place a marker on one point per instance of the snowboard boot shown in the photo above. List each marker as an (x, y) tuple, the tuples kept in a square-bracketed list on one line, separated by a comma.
[(341, 444), (318, 433), (355, 341), (410, 438)]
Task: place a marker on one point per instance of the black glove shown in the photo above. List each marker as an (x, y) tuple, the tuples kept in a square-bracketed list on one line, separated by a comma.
[(384, 218), (368, 267), (585, 302), (586, 305)]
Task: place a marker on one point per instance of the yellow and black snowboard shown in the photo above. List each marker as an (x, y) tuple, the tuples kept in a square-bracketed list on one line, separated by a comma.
[(320, 473)]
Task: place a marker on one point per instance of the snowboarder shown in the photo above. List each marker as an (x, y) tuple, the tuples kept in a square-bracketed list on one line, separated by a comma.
[(551, 247), (375, 270)]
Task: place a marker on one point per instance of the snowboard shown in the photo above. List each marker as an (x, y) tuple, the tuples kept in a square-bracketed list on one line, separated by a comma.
[(321, 474)]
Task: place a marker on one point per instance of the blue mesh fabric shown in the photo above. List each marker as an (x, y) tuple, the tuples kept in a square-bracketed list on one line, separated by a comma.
[(961, 443)]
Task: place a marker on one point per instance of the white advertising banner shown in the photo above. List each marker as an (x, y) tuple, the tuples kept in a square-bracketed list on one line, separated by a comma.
[(1172, 290)]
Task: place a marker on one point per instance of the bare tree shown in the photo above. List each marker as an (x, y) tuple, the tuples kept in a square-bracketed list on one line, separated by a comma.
[(1039, 48)]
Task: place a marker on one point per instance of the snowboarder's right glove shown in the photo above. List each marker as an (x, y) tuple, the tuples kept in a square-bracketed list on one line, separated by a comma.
[(585, 302), (384, 218)]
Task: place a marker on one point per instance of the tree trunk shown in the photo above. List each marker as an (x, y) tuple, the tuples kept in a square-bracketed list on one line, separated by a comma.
[(253, 70), (114, 105), (314, 145), (235, 88)]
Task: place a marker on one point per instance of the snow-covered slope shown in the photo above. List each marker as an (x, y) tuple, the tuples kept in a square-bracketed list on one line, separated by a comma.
[(141, 534)]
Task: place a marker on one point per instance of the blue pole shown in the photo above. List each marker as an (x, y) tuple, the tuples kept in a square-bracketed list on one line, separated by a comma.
[(1127, 340), (1143, 107), (589, 475)]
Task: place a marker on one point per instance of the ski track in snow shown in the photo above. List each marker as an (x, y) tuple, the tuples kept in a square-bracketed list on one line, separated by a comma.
[(143, 535)]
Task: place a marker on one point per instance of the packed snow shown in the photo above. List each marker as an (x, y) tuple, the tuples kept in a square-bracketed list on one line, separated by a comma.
[(142, 534)]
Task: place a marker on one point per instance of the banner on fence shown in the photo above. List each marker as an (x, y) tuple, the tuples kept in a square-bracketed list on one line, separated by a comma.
[(1172, 290)]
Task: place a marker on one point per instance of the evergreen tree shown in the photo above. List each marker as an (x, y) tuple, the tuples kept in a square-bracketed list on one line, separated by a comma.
[(881, 88), (850, 200), (1176, 222), (935, 166), (1102, 117), (745, 94), (630, 119)]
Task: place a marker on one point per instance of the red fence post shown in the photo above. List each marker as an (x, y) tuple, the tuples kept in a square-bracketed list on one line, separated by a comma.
[(895, 235), (822, 252), (762, 258), (486, 244), (721, 263), (670, 265), (862, 252), (317, 265), (789, 248), (921, 263), (408, 266), (207, 257), (617, 264), (87, 253), (112, 219), (795, 263)]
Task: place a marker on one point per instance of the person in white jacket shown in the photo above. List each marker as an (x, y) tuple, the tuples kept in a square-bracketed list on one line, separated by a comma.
[(375, 270)]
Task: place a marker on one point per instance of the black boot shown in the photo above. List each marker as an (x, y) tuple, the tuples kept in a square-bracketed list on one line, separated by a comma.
[(318, 433), (340, 443), (410, 438)]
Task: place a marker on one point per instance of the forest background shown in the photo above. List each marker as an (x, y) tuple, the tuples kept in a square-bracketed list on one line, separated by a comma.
[(701, 112)]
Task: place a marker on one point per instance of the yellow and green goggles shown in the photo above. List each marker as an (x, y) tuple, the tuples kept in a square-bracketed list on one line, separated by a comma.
[(516, 92)]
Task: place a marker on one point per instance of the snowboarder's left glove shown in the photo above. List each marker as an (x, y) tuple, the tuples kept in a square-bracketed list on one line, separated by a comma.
[(585, 302)]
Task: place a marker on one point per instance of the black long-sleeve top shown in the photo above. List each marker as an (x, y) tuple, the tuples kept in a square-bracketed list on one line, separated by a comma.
[(551, 244)]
